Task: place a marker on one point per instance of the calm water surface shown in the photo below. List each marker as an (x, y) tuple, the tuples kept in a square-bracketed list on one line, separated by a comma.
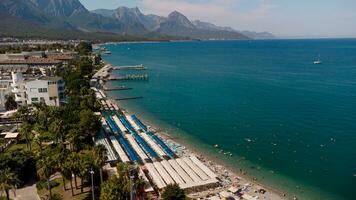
[(288, 122)]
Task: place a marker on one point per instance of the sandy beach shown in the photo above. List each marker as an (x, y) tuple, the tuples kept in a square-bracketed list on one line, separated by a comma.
[(229, 178)]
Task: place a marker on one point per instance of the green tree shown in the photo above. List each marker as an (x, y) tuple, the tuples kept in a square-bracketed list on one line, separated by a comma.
[(89, 123), (57, 130), (46, 165), (24, 113), (85, 67), (8, 181), (86, 163), (100, 152), (73, 164), (74, 137), (2, 143), (67, 172), (25, 130), (84, 48), (115, 188), (173, 192), (10, 103), (61, 158)]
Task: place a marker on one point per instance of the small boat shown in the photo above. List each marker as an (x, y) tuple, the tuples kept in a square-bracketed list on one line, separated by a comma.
[(107, 52), (216, 146), (248, 139), (318, 61)]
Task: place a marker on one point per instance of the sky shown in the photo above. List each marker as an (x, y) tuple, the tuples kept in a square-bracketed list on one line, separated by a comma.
[(284, 18)]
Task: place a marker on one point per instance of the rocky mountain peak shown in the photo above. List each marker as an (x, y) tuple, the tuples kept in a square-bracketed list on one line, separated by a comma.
[(180, 20)]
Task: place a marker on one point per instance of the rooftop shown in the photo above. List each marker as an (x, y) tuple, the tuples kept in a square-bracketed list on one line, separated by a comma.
[(32, 60), (50, 78), (60, 56)]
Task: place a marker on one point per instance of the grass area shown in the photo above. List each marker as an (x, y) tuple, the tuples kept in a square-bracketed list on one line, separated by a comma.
[(3, 198), (66, 195), (14, 147), (21, 145)]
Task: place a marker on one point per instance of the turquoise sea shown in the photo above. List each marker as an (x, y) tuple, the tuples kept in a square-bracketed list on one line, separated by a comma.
[(289, 123)]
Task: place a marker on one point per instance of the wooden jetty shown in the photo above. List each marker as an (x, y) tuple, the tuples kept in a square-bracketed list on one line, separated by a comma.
[(4, 121), (117, 88), (139, 67), (129, 98), (128, 77)]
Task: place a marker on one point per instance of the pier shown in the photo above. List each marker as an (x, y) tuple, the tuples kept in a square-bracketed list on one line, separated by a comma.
[(128, 77), (138, 67), (129, 98), (5, 121), (116, 88)]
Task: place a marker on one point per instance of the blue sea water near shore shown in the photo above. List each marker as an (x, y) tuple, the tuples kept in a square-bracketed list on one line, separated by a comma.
[(289, 123)]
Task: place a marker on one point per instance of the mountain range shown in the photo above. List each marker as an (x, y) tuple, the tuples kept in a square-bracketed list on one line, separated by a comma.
[(71, 17)]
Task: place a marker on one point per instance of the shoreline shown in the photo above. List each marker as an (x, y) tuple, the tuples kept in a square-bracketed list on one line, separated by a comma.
[(213, 161), (224, 171)]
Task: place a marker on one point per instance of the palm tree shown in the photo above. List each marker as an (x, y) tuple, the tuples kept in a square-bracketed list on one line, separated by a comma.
[(61, 157), (85, 164), (57, 130), (46, 165), (40, 138), (140, 187), (8, 181), (74, 138), (100, 152), (2, 145), (173, 192), (25, 129), (68, 172), (73, 165), (24, 113)]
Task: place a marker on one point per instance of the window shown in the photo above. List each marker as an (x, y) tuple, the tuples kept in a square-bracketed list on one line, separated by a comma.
[(52, 82), (42, 99), (42, 90), (34, 99), (52, 98)]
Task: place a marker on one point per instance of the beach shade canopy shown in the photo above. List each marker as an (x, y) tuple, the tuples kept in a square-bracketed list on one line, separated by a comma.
[(225, 194), (11, 135), (248, 197), (233, 189), (214, 198)]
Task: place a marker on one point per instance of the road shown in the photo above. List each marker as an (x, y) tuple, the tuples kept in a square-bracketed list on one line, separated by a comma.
[(26, 193)]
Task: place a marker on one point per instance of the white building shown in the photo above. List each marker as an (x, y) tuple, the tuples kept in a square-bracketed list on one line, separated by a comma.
[(18, 88), (5, 89), (49, 90)]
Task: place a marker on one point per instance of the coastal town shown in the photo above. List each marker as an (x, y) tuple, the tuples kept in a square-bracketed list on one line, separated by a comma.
[(35, 81), (177, 100)]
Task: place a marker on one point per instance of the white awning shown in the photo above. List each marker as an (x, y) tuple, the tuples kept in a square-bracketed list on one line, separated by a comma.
[(11, 135)]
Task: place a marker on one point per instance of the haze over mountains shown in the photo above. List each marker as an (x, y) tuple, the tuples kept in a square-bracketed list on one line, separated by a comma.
[(71, 15), (176, 24)]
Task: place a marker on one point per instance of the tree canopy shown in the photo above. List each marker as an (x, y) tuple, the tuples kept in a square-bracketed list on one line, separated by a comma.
[(173, 192), (84, 48), (10, 103)]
